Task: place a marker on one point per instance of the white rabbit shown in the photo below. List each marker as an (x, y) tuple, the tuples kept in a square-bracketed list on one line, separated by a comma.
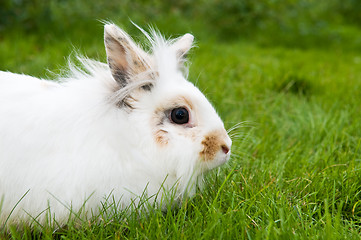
[(132, 127)]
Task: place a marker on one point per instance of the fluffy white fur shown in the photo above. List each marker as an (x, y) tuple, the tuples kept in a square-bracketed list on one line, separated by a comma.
[(71, 143)]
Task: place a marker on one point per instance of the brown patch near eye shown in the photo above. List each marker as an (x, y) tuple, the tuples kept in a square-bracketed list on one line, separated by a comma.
[(189, 104), (161, 137), (161, 117), (179, 101), (212, 144)]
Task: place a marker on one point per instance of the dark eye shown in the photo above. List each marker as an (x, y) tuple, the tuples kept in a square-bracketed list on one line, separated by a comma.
[(179, 115)]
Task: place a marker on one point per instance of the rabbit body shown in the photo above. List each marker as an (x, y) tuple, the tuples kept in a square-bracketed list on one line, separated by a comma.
[(106, 130)]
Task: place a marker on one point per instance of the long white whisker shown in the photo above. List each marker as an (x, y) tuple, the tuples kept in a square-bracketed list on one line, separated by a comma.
[(236, 126)]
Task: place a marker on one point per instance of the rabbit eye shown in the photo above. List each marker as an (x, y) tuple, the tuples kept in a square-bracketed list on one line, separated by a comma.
[(179, 115)]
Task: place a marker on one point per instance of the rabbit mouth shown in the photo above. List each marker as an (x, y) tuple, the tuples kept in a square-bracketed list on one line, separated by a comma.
[(226, 158), (219, 160), (222, 158)]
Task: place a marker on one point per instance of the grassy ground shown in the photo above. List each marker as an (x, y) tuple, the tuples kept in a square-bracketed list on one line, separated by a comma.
[(295, 172)]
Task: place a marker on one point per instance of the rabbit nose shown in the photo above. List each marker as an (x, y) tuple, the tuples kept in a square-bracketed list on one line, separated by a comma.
[(225, 149)]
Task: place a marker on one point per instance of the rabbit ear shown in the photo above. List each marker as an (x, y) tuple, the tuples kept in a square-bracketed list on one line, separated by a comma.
[(182, 45), (124, 57)]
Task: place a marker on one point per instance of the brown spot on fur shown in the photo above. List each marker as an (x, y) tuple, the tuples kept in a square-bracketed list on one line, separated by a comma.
[(169, 104), (189, 104), (212, 145), (161, 138)]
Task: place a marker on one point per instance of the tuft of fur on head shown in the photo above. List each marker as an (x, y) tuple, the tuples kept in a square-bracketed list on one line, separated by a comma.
[(165, 55)]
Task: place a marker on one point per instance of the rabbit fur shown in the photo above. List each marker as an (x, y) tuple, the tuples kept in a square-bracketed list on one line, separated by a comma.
[(105, 130)]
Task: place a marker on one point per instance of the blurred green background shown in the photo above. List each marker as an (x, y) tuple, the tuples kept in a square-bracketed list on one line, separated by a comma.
[(33, 27), (289, 68), (286, 22), (292, 23)]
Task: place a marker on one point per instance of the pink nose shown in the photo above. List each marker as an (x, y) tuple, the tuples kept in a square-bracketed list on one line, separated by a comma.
[(225, 149)]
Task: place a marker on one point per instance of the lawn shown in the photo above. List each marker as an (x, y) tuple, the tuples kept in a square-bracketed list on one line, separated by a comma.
[(295, 170)]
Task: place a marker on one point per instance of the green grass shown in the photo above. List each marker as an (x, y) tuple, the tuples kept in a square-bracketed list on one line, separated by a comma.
[(295, 172)]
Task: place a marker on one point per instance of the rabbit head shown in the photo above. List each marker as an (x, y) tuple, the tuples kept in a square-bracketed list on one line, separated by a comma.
[(176, 125)]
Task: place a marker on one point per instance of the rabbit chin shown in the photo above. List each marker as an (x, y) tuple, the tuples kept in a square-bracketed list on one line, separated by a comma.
[(218, 160)]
